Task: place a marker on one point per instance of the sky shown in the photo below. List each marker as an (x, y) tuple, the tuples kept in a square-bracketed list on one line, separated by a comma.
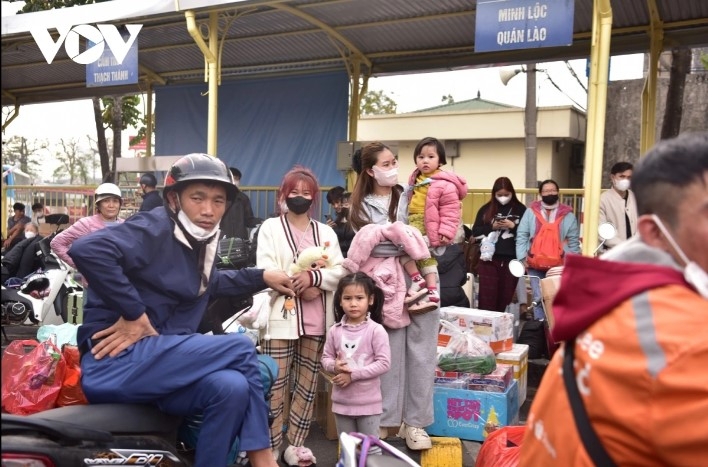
[(74, 119)]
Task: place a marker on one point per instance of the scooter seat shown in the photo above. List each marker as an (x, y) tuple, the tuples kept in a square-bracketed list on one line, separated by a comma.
[(116, 418)]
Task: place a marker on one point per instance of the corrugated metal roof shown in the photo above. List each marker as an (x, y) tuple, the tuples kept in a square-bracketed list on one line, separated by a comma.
[(265, 37), (464, 106)]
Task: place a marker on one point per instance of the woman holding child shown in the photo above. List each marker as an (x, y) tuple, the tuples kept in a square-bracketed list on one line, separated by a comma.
[(377, 198)]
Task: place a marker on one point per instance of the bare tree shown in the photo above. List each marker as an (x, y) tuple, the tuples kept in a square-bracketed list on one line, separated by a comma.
[(680, 67), (72, 162), (23, 153)]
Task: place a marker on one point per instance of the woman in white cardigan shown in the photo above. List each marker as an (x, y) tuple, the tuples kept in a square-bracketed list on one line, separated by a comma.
[(297, 325)]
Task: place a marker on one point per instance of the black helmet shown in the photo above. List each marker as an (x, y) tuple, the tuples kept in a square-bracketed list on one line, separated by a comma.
[(148, 179), (198, 167)]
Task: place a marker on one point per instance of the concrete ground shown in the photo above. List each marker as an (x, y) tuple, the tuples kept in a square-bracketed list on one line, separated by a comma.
[(326, 450)]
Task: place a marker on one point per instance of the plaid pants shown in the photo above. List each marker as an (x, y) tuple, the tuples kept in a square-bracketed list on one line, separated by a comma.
[(300, 360)]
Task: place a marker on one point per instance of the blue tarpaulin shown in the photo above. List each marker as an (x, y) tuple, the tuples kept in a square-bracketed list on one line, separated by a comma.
[(266, 126)]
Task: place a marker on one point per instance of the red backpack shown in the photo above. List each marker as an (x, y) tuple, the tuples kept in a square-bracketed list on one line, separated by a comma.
[(546, 247)]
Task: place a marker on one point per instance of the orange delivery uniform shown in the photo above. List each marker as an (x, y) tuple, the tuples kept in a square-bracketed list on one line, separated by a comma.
[(641, 364)]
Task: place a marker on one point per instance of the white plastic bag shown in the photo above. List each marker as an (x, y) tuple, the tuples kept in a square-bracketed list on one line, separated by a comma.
[(466, 352)]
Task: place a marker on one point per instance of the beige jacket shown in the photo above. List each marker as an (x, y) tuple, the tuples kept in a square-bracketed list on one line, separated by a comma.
[(612, 209)]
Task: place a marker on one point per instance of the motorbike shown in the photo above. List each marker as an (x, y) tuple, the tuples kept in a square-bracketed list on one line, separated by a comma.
[(44, 308), (112, 434), (17, 302)]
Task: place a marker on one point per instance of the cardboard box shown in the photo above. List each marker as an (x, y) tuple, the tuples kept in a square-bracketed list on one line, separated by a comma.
[(323, 409), (494, 328), (497, 381), (472, 415), (518, 357)]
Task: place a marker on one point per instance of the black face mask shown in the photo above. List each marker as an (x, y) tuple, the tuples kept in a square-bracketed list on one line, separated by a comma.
[(298, 204), (549, 199)]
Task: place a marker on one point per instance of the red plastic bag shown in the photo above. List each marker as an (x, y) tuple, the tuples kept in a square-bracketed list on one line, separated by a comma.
[(71, 392), (502, 448), (32, 373)]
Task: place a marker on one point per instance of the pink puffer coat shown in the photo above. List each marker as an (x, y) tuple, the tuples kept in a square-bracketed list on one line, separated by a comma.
[(387, 272), (443, 208)]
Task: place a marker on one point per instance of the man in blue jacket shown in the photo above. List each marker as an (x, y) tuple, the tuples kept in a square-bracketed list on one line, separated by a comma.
[(151, 279)]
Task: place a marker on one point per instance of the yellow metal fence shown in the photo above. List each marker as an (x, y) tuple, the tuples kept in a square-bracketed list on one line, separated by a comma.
[(78, 201)]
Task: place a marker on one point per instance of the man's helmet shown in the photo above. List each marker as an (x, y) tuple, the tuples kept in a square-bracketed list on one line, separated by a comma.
[(106, 190), (198, 167)]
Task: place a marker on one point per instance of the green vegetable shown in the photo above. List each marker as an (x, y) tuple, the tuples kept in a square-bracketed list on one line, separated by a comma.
[(467, 364)]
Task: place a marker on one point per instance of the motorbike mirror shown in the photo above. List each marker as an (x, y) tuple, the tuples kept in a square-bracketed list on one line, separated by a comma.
[(516, 268), (607, 231)]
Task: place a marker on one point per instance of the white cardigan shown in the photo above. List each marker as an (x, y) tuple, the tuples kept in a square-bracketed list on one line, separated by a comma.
[(612, 210), (275, 252)]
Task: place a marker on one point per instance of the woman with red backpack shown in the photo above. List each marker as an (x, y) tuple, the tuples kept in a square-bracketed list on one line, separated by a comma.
[(547, 231)]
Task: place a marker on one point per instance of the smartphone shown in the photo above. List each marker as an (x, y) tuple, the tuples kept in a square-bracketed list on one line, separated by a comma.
[(328, 218)]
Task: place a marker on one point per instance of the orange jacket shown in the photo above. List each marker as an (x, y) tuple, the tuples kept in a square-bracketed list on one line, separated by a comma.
[(641, 362)]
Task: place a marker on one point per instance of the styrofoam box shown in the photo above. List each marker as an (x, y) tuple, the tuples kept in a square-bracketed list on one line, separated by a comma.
[(473, 415), (493, 327), (518, 357)]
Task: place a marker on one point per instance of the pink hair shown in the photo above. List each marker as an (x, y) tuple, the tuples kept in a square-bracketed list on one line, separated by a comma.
[(291, 179)]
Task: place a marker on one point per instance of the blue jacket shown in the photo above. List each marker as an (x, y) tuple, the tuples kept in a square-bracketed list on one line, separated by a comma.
[(528, 228), (146, 265)]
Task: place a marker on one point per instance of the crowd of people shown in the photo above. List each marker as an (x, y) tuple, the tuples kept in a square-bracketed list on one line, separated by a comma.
[(376, 339)]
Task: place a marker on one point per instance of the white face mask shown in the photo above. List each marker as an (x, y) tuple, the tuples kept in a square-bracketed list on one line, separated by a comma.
[(693, 273), (503, 200), (385, 177), (194, 230), (622, 184), (38, 215), (30, 234)]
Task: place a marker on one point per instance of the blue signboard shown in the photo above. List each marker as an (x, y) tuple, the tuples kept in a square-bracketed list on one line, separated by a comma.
[(106, 71), (523, 24)]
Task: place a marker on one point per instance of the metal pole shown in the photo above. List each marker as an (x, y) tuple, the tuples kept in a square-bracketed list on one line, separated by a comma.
[(530, 118), (597, 106)]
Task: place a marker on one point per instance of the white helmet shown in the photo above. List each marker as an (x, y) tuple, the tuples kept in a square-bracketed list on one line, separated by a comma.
[(106, 190)]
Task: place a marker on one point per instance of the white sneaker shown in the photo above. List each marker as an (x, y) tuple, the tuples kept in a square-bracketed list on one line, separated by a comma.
[(416, 438)]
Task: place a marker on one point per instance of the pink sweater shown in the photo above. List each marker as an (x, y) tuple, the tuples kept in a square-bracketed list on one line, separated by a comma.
[(62, 242), (367, 351)]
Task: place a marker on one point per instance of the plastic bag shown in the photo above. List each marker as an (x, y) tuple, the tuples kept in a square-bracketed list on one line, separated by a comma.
[(32, 374), (71, 392), (466, 352), (65, 333), (502, 448)]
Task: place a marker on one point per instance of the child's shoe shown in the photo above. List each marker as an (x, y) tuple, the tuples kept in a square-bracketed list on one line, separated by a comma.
[(422, 306), (417, 290)]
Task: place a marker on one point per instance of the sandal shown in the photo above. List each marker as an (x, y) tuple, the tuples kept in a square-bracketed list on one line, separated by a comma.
[(298, 457)]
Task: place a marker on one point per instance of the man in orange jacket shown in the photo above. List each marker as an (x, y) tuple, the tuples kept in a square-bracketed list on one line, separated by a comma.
[(636, 323)]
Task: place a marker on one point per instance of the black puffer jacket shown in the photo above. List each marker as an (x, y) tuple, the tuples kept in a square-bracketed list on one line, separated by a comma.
[(453, 275)]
